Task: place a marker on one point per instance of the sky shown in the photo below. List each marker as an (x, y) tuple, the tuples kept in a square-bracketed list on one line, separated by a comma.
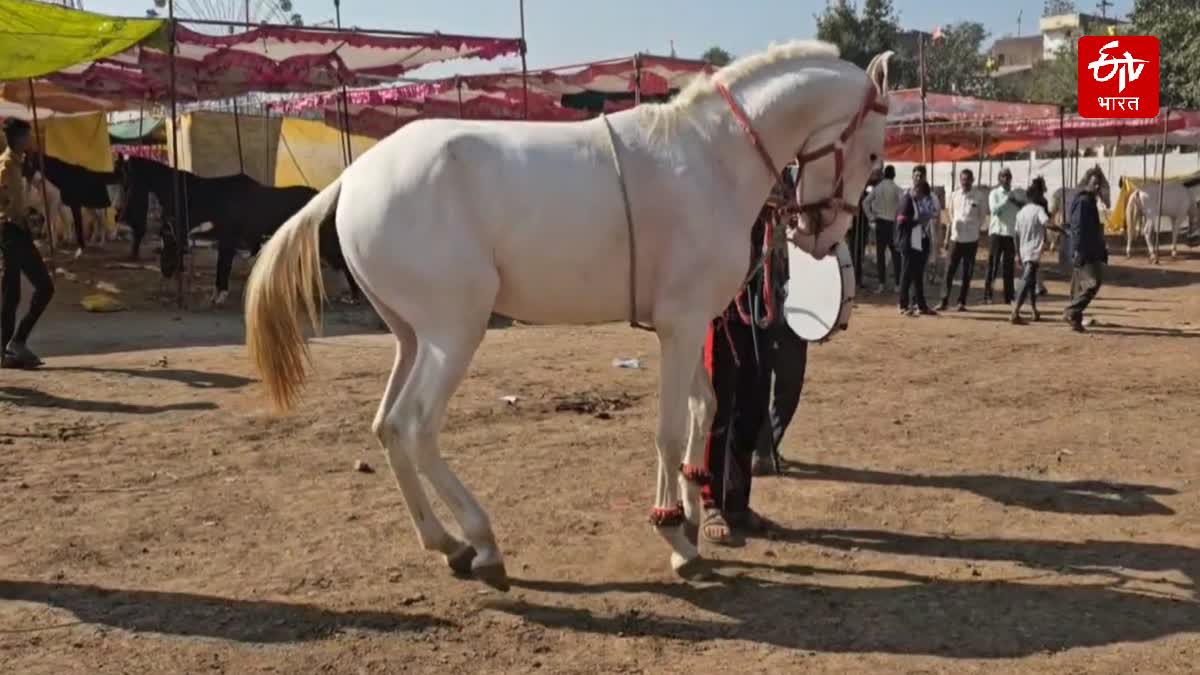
[(563, 32)]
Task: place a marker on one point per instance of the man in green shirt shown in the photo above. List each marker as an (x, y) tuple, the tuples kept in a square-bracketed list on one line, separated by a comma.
[(1002, 230)]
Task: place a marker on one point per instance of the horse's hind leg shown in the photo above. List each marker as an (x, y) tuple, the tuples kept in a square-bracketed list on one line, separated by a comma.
[(430, 531)]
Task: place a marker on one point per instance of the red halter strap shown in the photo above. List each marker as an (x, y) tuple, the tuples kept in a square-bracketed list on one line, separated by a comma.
[(871, 104)]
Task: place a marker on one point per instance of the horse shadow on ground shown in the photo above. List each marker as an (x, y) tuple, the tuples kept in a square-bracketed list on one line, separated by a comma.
[(910, 613), (202, 616), (196, 379), (1085, 497), (23, 397)]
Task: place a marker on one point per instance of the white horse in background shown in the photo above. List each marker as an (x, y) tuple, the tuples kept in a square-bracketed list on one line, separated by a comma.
[(447, 220), (1143, 210)]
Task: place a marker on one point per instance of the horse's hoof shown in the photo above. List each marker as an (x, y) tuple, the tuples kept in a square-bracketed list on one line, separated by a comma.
[(493, 575), (460, 563), (696, 569)]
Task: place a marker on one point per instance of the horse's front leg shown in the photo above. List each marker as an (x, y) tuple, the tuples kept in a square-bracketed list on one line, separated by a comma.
[(226, 252), (681, 341)]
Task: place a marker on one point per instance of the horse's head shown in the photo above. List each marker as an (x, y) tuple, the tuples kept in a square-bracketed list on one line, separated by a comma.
[(837, 159)]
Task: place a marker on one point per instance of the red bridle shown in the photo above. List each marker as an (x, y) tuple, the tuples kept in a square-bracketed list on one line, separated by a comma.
[(836, 200)]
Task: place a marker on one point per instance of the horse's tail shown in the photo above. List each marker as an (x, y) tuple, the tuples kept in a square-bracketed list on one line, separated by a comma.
[(283, 279)]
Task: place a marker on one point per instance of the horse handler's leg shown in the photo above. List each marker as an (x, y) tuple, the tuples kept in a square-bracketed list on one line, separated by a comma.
[(681, 342)]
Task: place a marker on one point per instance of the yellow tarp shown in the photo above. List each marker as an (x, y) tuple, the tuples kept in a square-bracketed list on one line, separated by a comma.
[(79, 139), (1116, 218), (208, 145), (38, 38), (310, 153)]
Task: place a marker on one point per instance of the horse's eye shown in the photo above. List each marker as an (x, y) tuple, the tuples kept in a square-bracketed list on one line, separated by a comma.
[(874, 158)]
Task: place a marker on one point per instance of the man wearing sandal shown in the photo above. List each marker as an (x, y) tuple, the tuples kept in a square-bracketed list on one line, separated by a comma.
[(20, 254), (738, 358)]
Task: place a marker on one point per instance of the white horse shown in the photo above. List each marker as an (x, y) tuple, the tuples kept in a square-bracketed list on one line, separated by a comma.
[(1143, 210), (447, 220)]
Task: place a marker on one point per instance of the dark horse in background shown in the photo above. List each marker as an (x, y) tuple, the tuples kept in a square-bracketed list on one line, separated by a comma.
[(79, 188), (237, 212)]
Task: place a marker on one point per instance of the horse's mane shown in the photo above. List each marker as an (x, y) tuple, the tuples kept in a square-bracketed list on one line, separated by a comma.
[(663, 116)]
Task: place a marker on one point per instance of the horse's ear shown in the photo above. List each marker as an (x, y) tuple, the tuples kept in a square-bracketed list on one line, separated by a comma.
[(877, 71)]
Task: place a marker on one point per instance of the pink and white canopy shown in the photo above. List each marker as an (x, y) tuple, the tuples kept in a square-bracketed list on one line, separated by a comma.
[(378, 112), (271, 59)]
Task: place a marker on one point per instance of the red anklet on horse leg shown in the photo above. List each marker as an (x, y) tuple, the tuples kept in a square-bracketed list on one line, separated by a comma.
[(667, 517), (696, 474)]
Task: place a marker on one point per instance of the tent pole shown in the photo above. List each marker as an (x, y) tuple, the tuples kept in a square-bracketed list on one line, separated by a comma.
[(524, 66), (180, 230), (237, 131), (1162, 180), (344, 102), (458, 84), (921, 60), (1062, 161), (982, 143), (37, 135), (637, 79)]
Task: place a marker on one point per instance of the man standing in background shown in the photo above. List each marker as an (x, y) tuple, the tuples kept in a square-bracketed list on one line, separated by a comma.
[(968, 208), (1002, 246), (881, 207)]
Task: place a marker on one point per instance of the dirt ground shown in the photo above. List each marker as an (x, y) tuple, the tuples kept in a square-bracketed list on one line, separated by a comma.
[(962, 495)]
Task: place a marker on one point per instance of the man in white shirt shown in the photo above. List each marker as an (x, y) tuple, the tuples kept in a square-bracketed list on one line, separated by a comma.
[(968, 208), (1031, 236), (881, 206), (1002, 228)]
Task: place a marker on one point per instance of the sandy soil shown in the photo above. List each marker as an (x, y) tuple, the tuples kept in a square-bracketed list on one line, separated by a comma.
[(962, 496)]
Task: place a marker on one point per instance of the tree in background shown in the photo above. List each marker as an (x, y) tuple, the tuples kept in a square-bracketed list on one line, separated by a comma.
[(1058, 7), (1175, 23), (716, 56), (859, 37), (955, 63)]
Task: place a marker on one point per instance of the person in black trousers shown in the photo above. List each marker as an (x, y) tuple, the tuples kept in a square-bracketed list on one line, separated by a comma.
[(1003, 206), (917, 211), (19, 253), (789, 363), (738, 362), (881, 207), (1089, 252)]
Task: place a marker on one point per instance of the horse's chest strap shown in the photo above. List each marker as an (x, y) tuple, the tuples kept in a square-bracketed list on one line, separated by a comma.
[(633, 313)]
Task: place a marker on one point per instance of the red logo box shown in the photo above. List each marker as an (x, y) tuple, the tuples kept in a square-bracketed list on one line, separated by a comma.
[(1118, 76)]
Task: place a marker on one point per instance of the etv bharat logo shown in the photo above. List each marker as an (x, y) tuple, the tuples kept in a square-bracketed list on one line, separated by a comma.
[(1118, 77)]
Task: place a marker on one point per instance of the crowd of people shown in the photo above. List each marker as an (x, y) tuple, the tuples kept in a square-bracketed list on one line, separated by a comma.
[(905, 224)]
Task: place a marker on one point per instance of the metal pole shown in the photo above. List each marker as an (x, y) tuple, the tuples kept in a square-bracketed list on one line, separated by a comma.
[(524, 67), (458, 85), (1062, 160), (37, 135), (982, 143), (1162, 180), (344, 103), (237, 130), (921, 59), (180, 231), (637, 79)]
